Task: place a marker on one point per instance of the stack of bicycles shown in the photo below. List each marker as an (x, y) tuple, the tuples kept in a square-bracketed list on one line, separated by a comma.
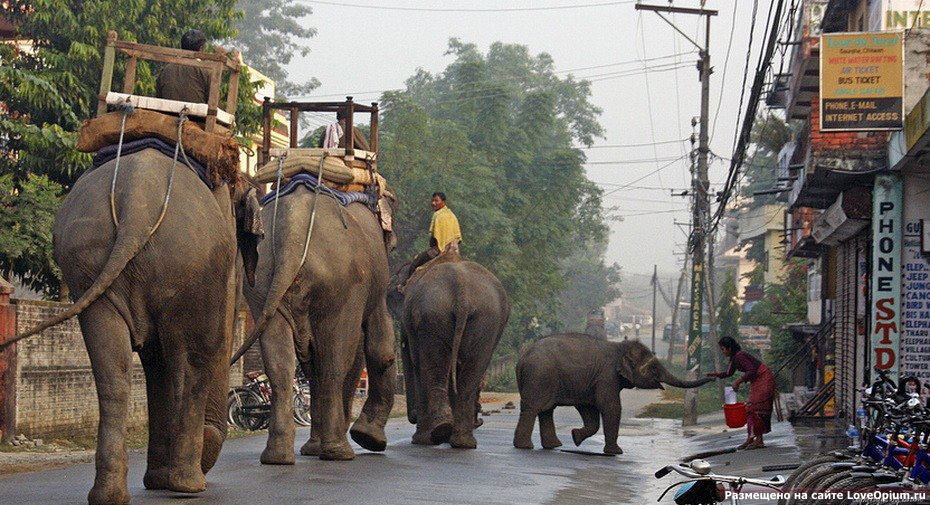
[(889, 464), (249, 405)]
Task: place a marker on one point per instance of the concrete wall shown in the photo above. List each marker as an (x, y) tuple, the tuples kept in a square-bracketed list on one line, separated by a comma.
[(49, 385)]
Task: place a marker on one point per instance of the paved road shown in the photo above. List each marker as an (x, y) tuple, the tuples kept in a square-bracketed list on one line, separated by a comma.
[(494, 473)]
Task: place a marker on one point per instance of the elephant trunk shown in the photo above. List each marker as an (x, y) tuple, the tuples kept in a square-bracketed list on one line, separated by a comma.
[(667, 377)]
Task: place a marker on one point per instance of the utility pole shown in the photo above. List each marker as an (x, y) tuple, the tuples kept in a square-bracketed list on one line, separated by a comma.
[(676, 310), (700, 184), (655, 286)]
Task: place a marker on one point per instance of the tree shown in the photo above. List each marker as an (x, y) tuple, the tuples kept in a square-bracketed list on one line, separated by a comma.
[(49, 89), (769, 134), (269, 34), (495, 132), (728, 313)]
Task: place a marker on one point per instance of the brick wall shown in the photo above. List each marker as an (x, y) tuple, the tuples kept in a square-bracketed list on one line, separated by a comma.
[(54, 387)]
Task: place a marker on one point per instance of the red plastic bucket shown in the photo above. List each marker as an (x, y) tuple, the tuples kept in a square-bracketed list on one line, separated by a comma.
[(735, 415)]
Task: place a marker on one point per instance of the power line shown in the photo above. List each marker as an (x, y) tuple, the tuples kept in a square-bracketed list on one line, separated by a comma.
[(723, 78), (644, 144), (440, 9), (506, 79), (645, 176)]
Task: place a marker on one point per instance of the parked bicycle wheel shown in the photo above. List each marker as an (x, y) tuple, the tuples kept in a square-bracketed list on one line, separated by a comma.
[(302, 406), (239, 398)]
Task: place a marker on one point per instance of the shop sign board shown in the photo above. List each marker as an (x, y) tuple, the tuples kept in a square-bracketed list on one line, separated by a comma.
[(887, 222), (862, 81)]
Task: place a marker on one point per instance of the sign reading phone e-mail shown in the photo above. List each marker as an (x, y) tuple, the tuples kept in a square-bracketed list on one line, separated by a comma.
[(861, 81)]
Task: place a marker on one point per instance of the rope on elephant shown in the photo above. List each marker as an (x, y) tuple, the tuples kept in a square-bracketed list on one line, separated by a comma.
[(127, 109), (274, 215), (178, 147), (312, 213)]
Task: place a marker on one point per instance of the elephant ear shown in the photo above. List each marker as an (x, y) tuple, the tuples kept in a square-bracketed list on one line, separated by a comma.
[(626, 371), (249, 231)]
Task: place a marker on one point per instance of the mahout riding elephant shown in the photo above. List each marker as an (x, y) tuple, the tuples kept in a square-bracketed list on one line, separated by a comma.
[(322, 300), (168, 295), (452, 315), (588, 373)]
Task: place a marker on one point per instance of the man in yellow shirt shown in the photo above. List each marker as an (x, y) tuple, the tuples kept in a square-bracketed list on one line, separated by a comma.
[(444, 231)]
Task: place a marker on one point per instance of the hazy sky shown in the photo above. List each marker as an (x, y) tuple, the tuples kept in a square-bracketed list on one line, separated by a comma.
[(383, 47)]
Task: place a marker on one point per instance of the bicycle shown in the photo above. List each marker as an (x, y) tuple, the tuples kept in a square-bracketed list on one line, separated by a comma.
[(706, 488)]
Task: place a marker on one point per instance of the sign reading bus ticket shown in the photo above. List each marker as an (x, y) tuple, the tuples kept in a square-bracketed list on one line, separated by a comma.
[(861, 81)]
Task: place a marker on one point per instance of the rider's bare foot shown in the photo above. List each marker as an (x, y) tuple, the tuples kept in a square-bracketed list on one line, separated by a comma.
[(744, 445), (755, 445)]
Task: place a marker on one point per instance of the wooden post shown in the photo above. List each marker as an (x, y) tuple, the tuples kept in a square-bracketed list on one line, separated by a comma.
[(374, 127), (266, 132), (350, 134), (129, 81), (213, 99), (106, 77), (295, 122), (232, 98), (7, 363)]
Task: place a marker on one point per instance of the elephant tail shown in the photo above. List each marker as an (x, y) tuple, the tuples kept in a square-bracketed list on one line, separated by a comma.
[(460, 319), (125, 247)]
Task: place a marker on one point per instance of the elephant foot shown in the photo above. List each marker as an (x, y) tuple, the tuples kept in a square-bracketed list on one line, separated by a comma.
[(337, 452), (311, 447), (441, 433), (463, 441), (422, 438), (213, 440), (368, 434), (108, 493), (156, 478), (522, 444), (613, 450), (551, 444), (187, 480), (578, 436), (277, 456)]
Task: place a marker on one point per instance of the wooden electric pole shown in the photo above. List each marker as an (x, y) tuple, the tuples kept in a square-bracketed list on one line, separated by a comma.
[(655, 286), (701, 211)]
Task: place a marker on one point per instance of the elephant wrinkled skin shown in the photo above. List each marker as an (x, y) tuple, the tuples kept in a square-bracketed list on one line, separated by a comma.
[(170, 296), (330, 312), (588, 373), (452, 317)]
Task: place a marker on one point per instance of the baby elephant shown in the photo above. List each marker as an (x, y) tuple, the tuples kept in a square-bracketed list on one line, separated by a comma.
[(587, 373)]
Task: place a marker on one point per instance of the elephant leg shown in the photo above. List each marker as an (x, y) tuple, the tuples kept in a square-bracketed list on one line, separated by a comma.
[(464, 414), (312, 446), (610, 411), (159, 400), (216, 424), (368, 430), (434, 377), (107, 339), (410, 386), (422, 435), (547, 436), (335, 350), (278, 355), (592, 422), (350, 386), (523, 435)]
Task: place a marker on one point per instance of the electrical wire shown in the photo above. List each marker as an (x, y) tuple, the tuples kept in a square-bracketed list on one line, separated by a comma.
[(464, 10)]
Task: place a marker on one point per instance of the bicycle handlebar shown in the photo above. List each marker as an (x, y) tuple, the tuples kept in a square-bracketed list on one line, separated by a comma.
[(775, 483)]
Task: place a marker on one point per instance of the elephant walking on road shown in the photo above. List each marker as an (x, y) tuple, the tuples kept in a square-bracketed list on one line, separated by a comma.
[(168, 295), (453, 315), (588, 373), (329, 312)]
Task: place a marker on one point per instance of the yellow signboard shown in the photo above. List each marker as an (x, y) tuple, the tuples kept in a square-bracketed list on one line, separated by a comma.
[(862, 81)]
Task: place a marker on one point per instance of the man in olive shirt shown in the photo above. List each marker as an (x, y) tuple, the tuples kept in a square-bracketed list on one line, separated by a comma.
[(182, 82)]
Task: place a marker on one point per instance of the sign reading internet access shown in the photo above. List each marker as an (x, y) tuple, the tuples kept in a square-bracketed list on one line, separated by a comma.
[(861, 81)]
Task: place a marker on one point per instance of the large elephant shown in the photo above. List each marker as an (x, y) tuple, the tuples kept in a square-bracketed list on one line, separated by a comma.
[(168, 295), (322, 299), (452, 315), (588, 373)]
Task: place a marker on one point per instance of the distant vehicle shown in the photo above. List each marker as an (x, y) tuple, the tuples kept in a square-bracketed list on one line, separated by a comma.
[(667, 332)]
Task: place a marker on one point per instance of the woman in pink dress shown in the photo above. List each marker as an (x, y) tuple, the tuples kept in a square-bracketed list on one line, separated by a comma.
[(761, 390)]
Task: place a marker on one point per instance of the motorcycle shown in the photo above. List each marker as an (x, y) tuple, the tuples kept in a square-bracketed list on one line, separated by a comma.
[(249, 405)]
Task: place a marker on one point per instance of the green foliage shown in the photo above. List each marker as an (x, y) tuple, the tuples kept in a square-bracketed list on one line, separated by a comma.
[(51, 87), (589, 284), (783, 303), (728, 313), (505, 382), (769, 134), (270, 33), (495, 131)]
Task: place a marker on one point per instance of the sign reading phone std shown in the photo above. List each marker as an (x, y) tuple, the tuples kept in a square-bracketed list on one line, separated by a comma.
[(861, 81)]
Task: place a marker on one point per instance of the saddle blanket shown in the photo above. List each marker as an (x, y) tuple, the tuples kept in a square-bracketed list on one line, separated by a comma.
[(108, 153), (311, 182)]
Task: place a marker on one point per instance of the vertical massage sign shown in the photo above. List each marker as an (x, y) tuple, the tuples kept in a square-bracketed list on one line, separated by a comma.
[(861, 81)]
